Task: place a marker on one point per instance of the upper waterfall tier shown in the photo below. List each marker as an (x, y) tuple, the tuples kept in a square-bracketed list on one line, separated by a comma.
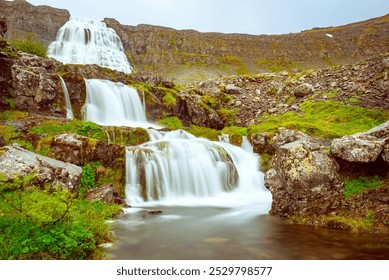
[(86, 41)]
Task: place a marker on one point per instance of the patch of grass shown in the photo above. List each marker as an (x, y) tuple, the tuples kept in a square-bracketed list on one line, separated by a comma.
[(171, 122), (228, 116), (235, 130), (30, 45), (204, 132), (169, 100), (356, 186), (8, 50), (276, 65), (325, 119), (12, 115)]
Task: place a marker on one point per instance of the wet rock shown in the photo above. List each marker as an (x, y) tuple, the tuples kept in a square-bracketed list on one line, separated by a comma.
[(155, 212), (16, 161), (301, 176), (359, 147)]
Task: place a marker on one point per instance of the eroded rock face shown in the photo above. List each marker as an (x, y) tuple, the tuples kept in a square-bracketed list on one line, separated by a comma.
[(304, 178), (16, 161)]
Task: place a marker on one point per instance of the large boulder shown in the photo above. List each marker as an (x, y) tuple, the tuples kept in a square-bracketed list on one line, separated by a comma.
[(304, 179), (359, 147), (18, 162), (363, 147)]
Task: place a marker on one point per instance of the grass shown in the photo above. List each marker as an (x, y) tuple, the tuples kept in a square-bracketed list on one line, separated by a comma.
[(325, 119), (171, 122), (356, 186), (30, 45)]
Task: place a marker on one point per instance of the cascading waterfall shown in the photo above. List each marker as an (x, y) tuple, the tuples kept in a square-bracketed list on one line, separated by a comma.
[(69, 110), (86, 41), (178, 168), (109, 103)]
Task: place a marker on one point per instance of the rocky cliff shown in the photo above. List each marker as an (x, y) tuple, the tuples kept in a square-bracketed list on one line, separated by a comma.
[(187, 55)]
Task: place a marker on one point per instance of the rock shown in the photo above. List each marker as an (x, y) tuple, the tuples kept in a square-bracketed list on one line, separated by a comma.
[(359, 147), (302, 180), (77, 149), (233, 89), (381, 131), (287, 136), (107, 194), (303, 90), (3, 26), (16, 161), (2, 141)]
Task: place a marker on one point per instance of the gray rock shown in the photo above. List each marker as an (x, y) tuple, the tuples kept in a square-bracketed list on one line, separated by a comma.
[(16, 161), (233, 89), (303, 90), (303, 179), (107, 194), (359, 147)]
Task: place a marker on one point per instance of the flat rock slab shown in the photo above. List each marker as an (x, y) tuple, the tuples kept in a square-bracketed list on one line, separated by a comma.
[(18, 162)]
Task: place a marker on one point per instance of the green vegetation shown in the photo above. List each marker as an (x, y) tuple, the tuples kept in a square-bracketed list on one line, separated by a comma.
[(228, 116), (30, 45), (171, 122), (326, 119), (204, 132), (8, 50), (12, 115), (356, 186), (277, 65), (169, 100), (50, 223)]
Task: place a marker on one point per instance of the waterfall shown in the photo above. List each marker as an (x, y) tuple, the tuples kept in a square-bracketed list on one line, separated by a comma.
[(177, 167), (86, 41), (109, 103), (246, 145), (69, 110)]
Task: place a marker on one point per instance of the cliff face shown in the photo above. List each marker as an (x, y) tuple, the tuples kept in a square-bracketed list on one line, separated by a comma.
[(24, 18), (188, 55)]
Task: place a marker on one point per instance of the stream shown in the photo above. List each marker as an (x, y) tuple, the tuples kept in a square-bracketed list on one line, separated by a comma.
[(217, 233)]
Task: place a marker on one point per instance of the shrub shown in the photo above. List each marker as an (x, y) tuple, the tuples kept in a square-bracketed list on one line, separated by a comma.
[(30, 45)]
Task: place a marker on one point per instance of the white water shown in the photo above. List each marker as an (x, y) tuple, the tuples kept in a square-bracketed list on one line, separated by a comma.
[(116, 104), (69, 109), (176, 168), (86, 41)]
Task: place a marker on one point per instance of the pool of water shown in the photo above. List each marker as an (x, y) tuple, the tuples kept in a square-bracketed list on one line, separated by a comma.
[(217, 233)]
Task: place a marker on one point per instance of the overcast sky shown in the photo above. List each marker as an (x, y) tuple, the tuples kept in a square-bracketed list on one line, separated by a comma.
[(228, 16)]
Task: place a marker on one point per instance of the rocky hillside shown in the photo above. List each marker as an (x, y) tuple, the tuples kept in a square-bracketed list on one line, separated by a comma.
[(188, 55)]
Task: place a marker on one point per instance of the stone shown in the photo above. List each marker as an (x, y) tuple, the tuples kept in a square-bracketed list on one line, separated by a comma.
[(107, 194), (233, 89), (16, 161), (287, 136), (303, 90), (2, 141), (359, 147), (302, 180), (3, 26)]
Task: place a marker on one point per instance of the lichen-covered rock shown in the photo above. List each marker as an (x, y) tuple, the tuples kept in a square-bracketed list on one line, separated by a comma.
[(288, 136), (78, 150), (359, 147), (233, 89), (302, 175), (16, 161)]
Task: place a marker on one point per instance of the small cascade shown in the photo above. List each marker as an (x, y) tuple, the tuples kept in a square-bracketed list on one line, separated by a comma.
[(246, 145), (224, 138), (86, 41), (109, 103), (175, 166), (69, 110)]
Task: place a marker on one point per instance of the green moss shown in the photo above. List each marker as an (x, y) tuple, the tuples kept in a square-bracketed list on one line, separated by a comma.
[(169, 100), (171, 122), (12, 115), (236, 139), (204, 132), (8, 50), (356, 186), (235, 129), (210, 100), (324, 119), (264, 162), (277, 64), (228, 116)]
